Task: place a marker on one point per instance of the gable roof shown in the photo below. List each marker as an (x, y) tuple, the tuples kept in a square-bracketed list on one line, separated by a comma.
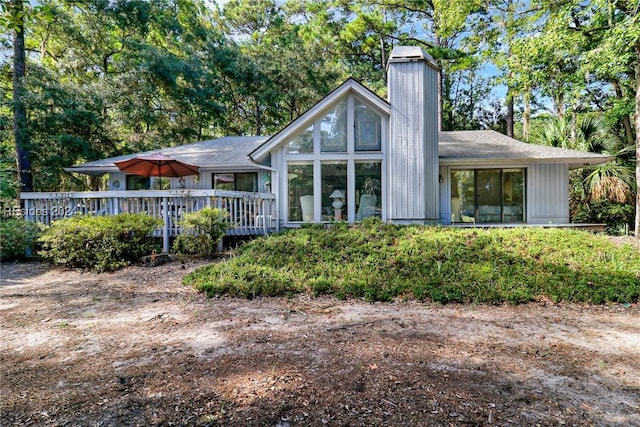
[(229, 152), (309, 116), (487, 145)]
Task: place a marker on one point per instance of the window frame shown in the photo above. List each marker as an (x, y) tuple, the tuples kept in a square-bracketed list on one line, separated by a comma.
[(351, 157), (235, 180), (482, 217)]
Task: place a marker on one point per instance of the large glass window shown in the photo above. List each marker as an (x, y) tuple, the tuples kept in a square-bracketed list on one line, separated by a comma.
[(333, 129), (301, 205), (367, 128), (488, 195), (334, 190), (236, 181), (368, 189), (303, 143)]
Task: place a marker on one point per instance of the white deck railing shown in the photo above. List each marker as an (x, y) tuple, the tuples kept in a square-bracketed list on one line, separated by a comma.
[(249, 213)]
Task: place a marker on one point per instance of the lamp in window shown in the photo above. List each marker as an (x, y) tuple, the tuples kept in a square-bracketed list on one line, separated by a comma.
[(337, 197)]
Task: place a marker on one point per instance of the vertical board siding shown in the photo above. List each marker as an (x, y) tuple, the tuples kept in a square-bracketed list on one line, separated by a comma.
[(548, 189), (431, 134), (413, 157)]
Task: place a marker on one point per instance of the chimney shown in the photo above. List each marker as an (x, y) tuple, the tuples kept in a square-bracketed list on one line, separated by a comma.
[(413, 149)]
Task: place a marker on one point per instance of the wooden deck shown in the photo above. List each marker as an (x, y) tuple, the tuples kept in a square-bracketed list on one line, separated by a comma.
[(249, 213)]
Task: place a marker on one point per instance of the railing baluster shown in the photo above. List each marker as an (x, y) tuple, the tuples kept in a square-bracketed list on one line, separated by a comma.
[(249, 213)]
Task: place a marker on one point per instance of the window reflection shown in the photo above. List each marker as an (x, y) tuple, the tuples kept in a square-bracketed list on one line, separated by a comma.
[(301, 206), (236, 181), (367, 128), (368, 189), (333, 129), (488, 195), (303, 143), (334, 190)]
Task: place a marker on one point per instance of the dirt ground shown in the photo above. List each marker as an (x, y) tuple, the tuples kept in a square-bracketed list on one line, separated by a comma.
[(137, 348)]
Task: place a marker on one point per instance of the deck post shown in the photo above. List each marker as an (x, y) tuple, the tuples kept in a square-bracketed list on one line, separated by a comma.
[(165, 228)]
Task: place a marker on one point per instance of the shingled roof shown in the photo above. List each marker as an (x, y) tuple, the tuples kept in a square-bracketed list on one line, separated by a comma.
[(458, 147), (230, 152), (481, 146)]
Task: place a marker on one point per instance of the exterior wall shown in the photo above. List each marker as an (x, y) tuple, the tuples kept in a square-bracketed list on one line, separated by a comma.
[(117, 181), (445, 195), (413, 151), (548, 194)]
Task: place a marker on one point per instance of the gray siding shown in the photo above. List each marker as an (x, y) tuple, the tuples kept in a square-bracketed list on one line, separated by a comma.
[(413, 156), (548, 194)]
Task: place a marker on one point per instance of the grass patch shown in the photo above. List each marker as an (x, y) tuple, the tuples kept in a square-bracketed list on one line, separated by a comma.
[(380, 262)]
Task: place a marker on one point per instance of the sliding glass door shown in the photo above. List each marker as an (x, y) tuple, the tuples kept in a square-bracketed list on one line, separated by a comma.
[(488, 195)]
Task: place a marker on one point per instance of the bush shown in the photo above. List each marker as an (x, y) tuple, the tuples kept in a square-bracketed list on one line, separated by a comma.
[(17, 237), (101, 243), (201, 232), (618, 217)]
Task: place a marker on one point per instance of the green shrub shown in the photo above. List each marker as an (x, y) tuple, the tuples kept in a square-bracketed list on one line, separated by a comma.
[(101, 243), (17, 237), (618, 217), (201, 232), (379, 262)]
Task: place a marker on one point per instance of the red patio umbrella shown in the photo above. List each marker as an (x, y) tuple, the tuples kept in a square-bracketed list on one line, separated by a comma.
[(156, 165)]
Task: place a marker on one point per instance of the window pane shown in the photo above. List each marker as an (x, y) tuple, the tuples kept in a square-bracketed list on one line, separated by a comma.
[(236, 181), (368, 189), (303, 143), (334, 190), (367, 128), (223, 181), (462, 196), (300, 178), (489, 193), (333, 129), (513, 188), (135, 182), (247, 181)]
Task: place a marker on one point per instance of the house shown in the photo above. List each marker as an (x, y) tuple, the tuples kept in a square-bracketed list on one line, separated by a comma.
[(354, 155)]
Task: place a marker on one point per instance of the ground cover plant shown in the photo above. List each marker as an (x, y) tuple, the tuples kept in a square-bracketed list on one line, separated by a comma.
[(100, 243), (380, 261)]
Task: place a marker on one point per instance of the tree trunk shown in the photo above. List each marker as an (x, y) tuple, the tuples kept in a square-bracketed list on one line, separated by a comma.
[(574, 127), (637, 72), (526, 118), (440, 98), (626, 122), (20, 132), (509, 115), (383, 59)]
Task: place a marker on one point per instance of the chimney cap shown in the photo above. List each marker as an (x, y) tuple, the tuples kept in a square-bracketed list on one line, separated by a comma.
[(410, 54)]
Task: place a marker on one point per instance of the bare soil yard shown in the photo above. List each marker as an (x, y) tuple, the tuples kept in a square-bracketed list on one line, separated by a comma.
[(136, 347)]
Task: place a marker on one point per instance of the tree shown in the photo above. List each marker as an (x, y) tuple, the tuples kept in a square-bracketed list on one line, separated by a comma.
[(14, 15), (612, 181)]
